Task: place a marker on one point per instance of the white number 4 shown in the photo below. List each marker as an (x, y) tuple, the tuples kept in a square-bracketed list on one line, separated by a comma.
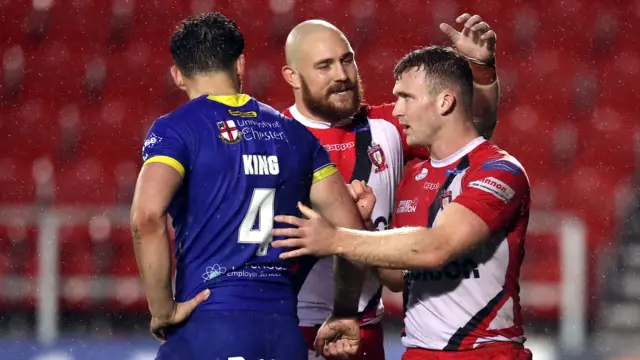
[(263, 202)]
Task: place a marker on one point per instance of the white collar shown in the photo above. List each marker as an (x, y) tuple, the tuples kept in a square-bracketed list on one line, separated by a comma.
[(315, 124), (458, 154)]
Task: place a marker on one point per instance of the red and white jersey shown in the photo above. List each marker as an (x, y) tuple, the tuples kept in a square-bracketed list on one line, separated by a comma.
[(474, 299), (368, 147)]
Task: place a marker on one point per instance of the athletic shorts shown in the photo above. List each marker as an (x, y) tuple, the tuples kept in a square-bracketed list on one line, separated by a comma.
[(493, 351), (235, 335)]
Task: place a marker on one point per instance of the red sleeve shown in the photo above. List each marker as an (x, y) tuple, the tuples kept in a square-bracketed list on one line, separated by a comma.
[(496, 191), (385, 112)]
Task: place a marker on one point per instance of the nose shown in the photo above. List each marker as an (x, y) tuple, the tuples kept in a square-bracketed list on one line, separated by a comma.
[(397, 110), (341, 73)]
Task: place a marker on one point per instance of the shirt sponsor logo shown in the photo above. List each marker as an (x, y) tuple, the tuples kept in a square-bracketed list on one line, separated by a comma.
[(261, 130), (455, 270), (229, 133), (407, 206), (423, 174), (339, 147), (431, 186), (494, 187)]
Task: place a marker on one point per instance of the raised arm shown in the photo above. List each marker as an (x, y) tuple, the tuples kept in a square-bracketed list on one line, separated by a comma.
[(477, 42)]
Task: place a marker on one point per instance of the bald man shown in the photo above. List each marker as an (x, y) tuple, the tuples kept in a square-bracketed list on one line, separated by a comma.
[(367, 144)]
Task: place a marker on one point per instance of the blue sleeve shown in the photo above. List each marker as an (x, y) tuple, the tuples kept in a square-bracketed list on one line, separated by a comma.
[(164, 144)]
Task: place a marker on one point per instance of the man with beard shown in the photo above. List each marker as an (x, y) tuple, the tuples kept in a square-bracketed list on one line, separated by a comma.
[(367, 144)]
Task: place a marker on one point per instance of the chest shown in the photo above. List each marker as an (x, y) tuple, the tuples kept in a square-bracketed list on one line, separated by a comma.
[(424, 192)]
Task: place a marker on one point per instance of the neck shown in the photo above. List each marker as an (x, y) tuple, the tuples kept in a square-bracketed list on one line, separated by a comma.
[(215, 84), (452, 138)]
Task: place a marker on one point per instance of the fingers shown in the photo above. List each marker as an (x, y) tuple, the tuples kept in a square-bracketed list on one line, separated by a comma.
[(288, 219), (287, 232), (288, 243), (294, 254), (306, 211), (475, 19), (489, 35), (186, 308), (480, 27), (352, 192), (450, 32), (358, 187), (318, 344), (463, 18), (159, 334)]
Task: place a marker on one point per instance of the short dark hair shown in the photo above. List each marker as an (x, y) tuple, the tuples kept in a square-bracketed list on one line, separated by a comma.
[(443, 66), (206, 43)]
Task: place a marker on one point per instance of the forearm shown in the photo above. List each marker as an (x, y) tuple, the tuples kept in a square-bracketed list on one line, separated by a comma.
[(151, 244), (404, 248), (391, 278), (348, 280), (486, 98)]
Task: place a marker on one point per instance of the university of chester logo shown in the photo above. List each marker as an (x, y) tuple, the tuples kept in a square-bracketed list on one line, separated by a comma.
[(377, 157), (229, 133)]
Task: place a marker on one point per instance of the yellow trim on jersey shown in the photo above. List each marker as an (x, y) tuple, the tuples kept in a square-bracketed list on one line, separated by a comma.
[(324, 172), (166, 160), (231, 100)]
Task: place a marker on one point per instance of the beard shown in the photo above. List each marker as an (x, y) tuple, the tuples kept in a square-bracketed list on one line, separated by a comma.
[(322, 107)]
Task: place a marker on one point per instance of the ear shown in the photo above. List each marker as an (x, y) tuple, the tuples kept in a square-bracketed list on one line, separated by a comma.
[(446, 103), (178, 79), (291, 76), (240, 64)]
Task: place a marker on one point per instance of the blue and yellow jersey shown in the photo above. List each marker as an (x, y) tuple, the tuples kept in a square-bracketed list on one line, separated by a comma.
[(242, 162)]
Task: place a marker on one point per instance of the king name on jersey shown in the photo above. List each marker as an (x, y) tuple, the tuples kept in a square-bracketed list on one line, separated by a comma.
[(260, 164)]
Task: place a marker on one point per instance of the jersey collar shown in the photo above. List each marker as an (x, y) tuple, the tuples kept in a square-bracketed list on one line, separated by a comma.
[(451, 159), (315, 124)]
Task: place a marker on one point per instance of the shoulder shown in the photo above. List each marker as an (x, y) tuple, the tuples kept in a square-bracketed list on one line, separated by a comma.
[(382, 112), (498, 172), (488, 157)]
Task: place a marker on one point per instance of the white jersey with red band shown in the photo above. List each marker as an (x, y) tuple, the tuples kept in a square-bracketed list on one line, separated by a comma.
[(370, 148), (474, 299)]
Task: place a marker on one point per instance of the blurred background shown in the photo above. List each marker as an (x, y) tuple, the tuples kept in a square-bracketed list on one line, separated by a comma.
[(81, 81)]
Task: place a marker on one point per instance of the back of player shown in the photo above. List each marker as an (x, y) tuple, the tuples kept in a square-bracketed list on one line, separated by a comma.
[(242, 162), (239, 163)]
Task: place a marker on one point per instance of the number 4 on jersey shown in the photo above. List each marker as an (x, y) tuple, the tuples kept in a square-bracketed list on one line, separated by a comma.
[(262, 203)]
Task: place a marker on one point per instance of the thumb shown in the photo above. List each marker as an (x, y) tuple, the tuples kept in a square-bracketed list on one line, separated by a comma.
[(450, 32), (310, 214), (188, 307)]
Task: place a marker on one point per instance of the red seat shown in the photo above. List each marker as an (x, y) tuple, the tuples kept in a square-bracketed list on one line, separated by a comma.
[(18, 244)]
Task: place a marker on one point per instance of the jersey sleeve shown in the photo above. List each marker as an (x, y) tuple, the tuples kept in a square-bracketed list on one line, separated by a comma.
[(385, 112), (318, 156), (323, 167), (496, 192), (164, 144)]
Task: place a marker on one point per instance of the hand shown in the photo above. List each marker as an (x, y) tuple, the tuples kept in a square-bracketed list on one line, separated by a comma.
[(363, 195), (476, 41), (338, 337), (181, 311), (314, 236)]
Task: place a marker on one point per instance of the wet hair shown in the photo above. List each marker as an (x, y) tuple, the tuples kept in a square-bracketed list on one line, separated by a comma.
[(443, 67), (206, 43)]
